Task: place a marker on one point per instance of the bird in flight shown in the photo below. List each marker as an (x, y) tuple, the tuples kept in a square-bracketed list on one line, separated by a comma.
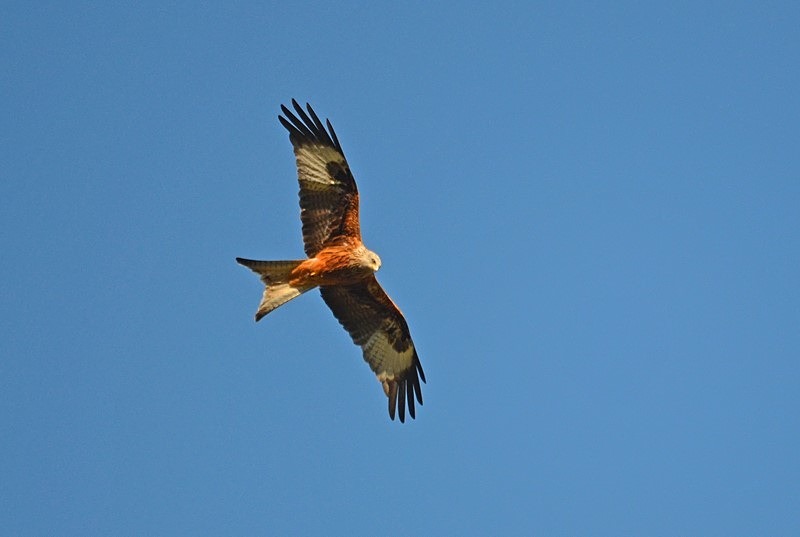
[(339, 263)]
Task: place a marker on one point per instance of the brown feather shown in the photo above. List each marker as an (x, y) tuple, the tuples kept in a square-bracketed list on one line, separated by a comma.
[(376, 325), (339, 263), (328, 192)]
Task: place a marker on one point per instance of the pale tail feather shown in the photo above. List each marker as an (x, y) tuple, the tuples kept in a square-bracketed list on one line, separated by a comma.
[(275, 275)]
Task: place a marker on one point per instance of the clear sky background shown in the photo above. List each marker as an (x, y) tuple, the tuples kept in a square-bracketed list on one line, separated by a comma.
[(589, 213)]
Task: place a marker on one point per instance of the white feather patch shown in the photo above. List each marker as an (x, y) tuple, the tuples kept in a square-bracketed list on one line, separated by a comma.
[(278, 294), (312, 163), (384, 359)]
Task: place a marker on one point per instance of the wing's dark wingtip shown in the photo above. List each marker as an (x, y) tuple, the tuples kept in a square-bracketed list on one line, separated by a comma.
[(418, 366), (392, 405), (409, 386), (403, 390), (401, 397), (305, 127), (401, 402)]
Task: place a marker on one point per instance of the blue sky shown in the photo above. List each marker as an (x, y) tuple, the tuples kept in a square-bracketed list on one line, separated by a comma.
[(588, 213)]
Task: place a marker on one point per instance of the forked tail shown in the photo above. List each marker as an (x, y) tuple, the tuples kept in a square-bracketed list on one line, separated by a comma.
[(275, 275)]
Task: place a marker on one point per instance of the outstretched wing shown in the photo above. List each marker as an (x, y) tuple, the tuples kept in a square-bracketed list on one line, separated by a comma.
[(328, 193), (378, 327)]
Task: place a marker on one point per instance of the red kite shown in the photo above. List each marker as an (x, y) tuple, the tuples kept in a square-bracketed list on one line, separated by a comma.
[(339, 263)]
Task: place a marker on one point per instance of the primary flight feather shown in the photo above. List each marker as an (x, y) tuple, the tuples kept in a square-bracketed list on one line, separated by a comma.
[(339, 263)]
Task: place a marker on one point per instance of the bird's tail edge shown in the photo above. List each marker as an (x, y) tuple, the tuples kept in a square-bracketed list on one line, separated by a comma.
[(277, 289)]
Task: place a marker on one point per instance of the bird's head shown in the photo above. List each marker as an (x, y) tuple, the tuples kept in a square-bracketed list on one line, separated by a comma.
[(367, 259), (373, 260)]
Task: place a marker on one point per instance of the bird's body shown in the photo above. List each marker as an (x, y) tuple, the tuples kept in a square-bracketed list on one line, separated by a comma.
[(339, 263)]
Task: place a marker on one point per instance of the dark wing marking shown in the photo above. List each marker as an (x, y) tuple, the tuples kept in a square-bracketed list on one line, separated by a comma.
[(328, 193), (379, 328)]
